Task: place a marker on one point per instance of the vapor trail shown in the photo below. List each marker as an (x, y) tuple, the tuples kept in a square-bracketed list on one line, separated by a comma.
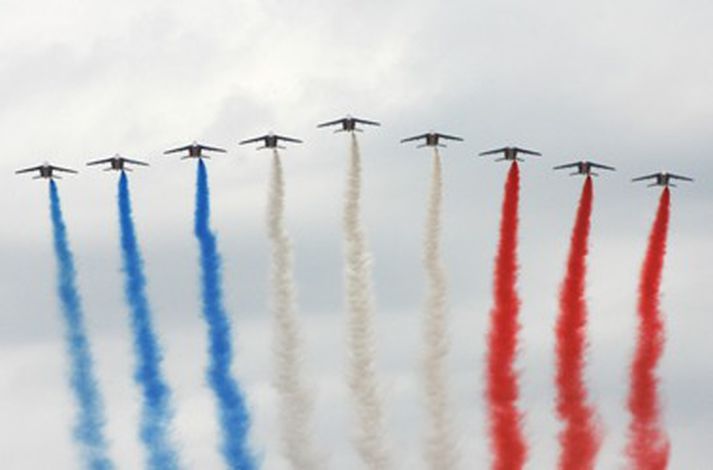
[(441, 453), (507, 442), (156, 407), (89, 428), (648, 447), (580, 439), (370, 440), (233, 413), (296, 403)]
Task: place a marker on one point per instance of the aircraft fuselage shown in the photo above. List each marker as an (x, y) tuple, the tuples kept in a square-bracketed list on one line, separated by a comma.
[(432, 140)]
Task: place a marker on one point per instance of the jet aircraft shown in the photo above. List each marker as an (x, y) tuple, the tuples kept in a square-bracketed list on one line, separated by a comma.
[(510, 153), (195, 150), (271, 141), (432, 139), (117, 163), (662, 179), (46, 171), (584, 167), (349, 124)]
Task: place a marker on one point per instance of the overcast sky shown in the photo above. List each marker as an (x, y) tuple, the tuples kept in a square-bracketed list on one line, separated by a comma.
[(625, 82)]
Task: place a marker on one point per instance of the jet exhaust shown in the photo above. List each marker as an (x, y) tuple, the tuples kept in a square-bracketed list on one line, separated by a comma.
[(370, 435), (296, 400), (441, 452), (648, 446), (508, 446), (89, 427), (580, 438), (156, 413), (232, 409)]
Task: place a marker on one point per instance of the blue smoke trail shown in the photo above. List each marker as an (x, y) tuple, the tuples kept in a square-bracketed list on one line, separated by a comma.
[(88, 430), (234, 417), (156, 408)]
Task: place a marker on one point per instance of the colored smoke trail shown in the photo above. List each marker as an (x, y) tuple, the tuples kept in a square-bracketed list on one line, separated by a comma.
[(506, 436), (233, 413), (296, 403), (580, 439), (370, 439), (648, 446), (441, 453), (89, 428), (156, 410)]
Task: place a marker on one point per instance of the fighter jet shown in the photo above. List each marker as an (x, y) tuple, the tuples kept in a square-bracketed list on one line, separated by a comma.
[(270, 141), (46, 171), (349, 124), (510, 153), (432, 139), (662, 179), (117, 163), (195, 150), (584, 167)]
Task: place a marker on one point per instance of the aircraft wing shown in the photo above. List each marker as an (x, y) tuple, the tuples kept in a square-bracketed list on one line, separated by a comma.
[(28, 170), (250, 141), (603, 167), (212, 149), (99, 162), (647, 177), (566, 165), (492, 152), (528, 152), (178, 149), (679, 177), (331, 123), (450, 137), (288, 139), (416, 137), (366, 121), (135, 162), (66, 170)]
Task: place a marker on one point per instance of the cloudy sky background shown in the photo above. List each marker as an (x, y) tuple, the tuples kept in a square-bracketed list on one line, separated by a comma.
[(624, 82)]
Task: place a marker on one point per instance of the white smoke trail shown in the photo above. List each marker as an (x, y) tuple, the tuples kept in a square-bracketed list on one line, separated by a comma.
[(296, 402), (441, 452), (370, 440)]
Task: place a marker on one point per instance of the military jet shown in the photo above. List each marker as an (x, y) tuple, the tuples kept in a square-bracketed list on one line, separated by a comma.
[(510, 153), (432, 139), (662, 179), (46, 171), (271, 141), (117, 163), (349, 124), (195, 150), (584, 167)]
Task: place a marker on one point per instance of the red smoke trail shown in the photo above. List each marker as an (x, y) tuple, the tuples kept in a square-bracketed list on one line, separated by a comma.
[(506, 437), (648, 443), (580, 438)]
